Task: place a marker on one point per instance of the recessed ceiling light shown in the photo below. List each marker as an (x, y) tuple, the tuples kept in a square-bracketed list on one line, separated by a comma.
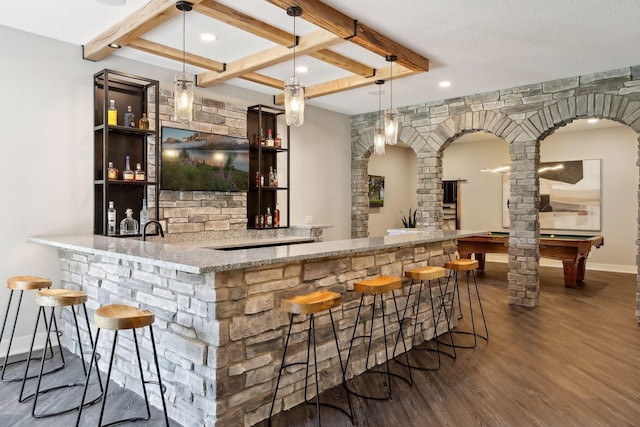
[(302, 69), (592, 120), (445, 83), (114, 46), (208, 37)]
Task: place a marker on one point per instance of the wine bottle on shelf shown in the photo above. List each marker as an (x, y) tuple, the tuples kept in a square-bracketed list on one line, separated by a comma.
[(139, 174), (112, 114), (111, 219), (269, 219), (129, 119), (274, 181), (127, 173), (270, 182), (144, 214), (129, 225), (269, 142), (143, 123), (276, 217), (112, 172), (261, 138), (278, 141)]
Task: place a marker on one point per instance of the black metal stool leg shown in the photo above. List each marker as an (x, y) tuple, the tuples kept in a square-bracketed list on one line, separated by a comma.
[(86, 383), (282, 366), (162, 388)]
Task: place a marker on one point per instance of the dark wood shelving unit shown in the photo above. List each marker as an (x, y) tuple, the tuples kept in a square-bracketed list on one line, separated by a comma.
[(115, 142), (451, 203), (261, 158)]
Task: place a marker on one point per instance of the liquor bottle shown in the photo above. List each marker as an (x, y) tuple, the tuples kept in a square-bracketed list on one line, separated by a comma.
[(143, 123), (112, 172), (128, 118), (127, 173), (257, 178), (269, 219), (276, 217), (144, 215), (111, 219), (278, 141), (269, 142), (139, 174), (274, 181), (112, 114), (129, 225), (261, 137), (270, 182)]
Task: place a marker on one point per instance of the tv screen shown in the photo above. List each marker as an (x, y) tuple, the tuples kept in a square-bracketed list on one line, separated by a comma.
[(202, 161)]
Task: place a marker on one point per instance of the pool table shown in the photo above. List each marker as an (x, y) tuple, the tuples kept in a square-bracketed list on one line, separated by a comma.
[(571, 250)]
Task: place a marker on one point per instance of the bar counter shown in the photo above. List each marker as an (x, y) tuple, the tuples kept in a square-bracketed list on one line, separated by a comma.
[(220, 328)]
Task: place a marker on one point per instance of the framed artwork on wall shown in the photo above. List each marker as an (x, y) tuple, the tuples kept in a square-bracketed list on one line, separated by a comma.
[(376, 191), (570, 195), (199, 161)]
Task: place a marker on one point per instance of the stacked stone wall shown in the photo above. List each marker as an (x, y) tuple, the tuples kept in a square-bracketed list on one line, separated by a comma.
[(522, 116), (220, 336)]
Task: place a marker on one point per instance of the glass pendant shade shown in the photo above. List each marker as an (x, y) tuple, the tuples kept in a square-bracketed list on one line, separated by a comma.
[(378, 141), (183, 98), (391, 125), (294, 102)]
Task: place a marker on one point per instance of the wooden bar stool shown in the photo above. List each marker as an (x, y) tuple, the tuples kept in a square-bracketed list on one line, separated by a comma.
[(419, 278), (467, 266), (311, 304), (378, 286), (117, 317), (24, 283), (57, 298)]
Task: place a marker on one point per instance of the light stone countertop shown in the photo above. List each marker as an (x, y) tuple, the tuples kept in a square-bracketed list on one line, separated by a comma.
[(199, 260)]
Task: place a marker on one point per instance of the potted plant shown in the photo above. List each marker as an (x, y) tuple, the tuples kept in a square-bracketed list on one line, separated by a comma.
[(410, 220)]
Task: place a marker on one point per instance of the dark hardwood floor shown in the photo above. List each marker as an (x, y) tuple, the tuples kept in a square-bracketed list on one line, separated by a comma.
[(573, 361)]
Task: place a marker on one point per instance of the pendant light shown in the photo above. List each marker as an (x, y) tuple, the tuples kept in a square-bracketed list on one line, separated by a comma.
[(293, 89), (378, 133), (391, 114), (184, 82)]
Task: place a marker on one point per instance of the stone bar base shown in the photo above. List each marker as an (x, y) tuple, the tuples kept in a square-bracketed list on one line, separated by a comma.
[(220, 335)]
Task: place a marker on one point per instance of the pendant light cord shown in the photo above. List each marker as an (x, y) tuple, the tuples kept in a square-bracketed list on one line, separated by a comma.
[(184, 48), (391, 88), (295, 42)]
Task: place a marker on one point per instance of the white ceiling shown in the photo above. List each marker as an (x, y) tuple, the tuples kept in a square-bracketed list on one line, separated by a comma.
[(478, 46)]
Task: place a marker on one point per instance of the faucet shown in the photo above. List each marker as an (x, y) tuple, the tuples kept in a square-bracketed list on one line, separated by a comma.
[(144, 229)]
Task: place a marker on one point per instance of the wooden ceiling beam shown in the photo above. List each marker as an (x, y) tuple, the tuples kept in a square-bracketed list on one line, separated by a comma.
[(134, 26), (308, 44), (176, 54), (332, 20), (263, 80), (351, 82), (345, 63)]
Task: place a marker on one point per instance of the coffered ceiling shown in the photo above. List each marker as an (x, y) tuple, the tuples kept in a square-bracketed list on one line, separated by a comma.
[(478, 46)]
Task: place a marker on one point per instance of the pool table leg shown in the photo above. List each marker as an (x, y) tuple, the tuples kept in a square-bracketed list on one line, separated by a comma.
[(582, 266), (480, 258), (570, 268)]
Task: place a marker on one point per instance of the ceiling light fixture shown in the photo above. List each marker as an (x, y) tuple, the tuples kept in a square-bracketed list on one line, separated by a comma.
[(293, 89), (445, 83), (592, 120), (302, 69), (208, 37), (378, 133), (114, 46), (391, 114), (183, 84)]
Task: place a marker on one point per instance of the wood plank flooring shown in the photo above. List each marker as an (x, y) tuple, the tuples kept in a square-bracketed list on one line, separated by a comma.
[(573, 361)]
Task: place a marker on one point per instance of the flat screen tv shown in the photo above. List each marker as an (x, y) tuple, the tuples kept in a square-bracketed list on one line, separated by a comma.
[(200, 161)]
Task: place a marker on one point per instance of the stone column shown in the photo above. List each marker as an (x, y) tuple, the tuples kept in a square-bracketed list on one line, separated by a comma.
[(359, 197), (524, 229), (430, 192)]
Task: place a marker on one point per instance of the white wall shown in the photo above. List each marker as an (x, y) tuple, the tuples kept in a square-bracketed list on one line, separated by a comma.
[(399, 166), (46, 119), (617, 147)]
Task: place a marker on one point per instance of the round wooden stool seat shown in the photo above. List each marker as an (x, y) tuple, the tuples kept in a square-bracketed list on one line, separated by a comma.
[(60, 297), (462, 264), (425, 273), (312, 303), (378, 285), (26, 283), (117, 317)]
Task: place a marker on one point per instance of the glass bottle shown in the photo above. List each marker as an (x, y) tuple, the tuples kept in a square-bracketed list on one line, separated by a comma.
[(112, 172), (276, 217), (139, 174), (269, 219), (270, 182), (144, 215), (143, 123), (127, 173), (269, 142), (129, 225), (111, 219), (274, 181), (129, 118), (112, 114), (278, 141)]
